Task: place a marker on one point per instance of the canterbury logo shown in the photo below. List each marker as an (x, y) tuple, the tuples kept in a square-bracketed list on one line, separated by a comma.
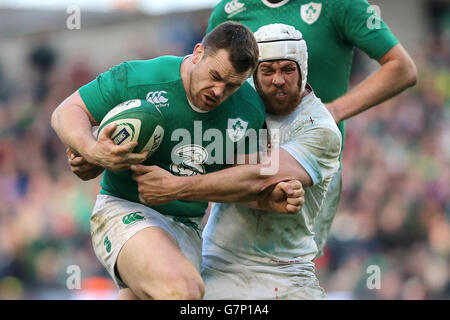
[(234, 7), (132, 217), (156, 97)]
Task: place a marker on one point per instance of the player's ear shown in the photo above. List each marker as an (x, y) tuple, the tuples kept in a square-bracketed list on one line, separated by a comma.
[(198, 53), (255, 79)]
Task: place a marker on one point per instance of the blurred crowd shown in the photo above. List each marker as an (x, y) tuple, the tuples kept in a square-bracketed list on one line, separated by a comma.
[(394, 211)]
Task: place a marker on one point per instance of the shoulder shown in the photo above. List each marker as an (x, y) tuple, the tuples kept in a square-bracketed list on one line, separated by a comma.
[(217, 16), (318, 120), (157, 70), (357, 10), (340, 9)]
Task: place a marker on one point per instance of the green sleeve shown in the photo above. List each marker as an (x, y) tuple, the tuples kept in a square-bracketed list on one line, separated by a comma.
[(106, 91), (363, 28), (217, 16)]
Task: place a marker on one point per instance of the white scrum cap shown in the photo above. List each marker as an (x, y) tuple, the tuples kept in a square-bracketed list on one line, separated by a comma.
[(281, 41)]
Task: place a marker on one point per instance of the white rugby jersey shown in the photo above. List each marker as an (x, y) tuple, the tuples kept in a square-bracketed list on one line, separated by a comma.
[(236, 233)]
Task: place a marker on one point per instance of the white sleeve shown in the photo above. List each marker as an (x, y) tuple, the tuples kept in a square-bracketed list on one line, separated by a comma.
[(317, 149), (251, 82)]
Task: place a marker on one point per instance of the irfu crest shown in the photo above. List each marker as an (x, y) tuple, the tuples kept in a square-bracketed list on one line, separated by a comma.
[(310, 12), (236, 129)]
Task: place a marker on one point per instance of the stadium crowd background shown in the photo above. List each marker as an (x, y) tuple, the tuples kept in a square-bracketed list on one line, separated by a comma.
[(394, 211)]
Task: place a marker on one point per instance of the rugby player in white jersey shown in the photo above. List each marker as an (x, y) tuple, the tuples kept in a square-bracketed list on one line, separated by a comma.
[(250, 253)]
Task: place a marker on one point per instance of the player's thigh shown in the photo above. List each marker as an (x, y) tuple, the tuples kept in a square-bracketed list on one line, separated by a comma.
[(225, 285), (152, 265)]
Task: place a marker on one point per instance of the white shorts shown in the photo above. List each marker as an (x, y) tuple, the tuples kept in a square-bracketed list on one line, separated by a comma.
[(116, 220), (225, 280), (327, 212)]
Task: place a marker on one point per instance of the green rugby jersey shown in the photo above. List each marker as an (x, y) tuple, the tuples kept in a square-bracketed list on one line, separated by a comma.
[(194, 142), (331, 29)]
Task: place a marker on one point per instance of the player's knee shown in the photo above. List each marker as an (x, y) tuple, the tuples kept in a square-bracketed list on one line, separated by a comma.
[(193, 291), (179, 287), (186, 288), (127, 294), (200, 290)]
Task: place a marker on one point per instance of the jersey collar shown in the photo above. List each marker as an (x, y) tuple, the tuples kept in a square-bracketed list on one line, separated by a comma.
[(274, 5)]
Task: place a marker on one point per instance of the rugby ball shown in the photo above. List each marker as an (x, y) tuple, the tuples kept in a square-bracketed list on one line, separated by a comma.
[(137, 120)]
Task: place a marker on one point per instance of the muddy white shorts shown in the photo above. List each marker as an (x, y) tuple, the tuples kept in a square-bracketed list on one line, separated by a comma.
[(116, 220), (227, 280)]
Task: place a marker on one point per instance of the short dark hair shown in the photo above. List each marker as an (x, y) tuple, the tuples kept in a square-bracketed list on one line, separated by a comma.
[(238, 40)]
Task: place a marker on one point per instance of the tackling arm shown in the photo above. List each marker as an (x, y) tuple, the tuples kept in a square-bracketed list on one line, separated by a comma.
[(245, 182), (241, 183)]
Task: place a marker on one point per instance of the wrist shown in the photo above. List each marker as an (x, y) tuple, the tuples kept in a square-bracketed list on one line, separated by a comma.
[(264, 200), (86, 150), (183, 187), (264, 204)]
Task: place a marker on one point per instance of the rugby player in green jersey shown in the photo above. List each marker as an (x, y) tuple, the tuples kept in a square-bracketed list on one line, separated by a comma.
[(155, 251), (332, 29), (254, 254)]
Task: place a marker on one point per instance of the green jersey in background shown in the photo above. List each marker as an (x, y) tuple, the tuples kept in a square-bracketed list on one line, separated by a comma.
[(331, 29)]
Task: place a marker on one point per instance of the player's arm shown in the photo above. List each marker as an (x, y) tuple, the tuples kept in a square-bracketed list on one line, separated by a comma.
[(308, 159), (73, 119), (245, 182), (397, 72), (359, 25), (73, 123), (81, 168), (281, 191), (284, 197)]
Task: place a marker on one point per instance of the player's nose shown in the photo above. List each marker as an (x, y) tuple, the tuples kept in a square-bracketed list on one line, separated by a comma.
[(278, 79), (218, 91)]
